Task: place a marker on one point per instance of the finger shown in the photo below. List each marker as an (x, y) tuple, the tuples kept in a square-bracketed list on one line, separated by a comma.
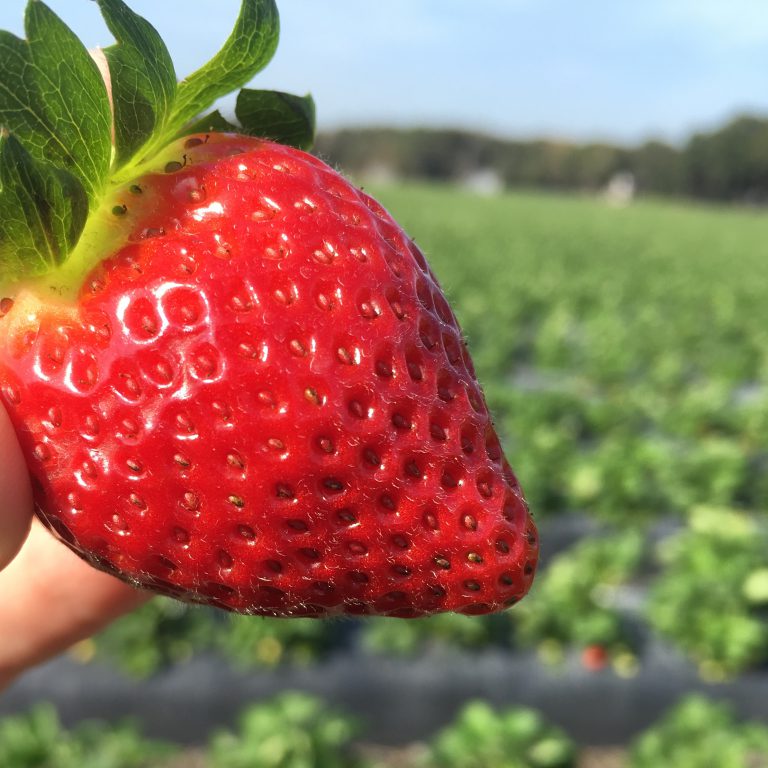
[(15, 493), (51, 600)]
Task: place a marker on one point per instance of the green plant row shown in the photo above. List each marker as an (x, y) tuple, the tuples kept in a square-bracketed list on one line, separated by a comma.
[(709, 599), (703, 589), (295, 730), (625, 355), (165, 632), (624, 351)]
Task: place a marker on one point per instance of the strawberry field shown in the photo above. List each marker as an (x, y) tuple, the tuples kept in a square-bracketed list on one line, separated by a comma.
[(624, 352)]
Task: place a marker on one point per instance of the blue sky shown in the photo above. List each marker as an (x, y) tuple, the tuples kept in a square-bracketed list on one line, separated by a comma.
[(596, 69)]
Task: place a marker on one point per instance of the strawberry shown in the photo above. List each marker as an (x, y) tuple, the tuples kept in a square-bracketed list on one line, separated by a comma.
[(235, 379), (595, 657)]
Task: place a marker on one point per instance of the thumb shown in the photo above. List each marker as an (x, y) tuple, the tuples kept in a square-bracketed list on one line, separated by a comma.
[(15, 493)]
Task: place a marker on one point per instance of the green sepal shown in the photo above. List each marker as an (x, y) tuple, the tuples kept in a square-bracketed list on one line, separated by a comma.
[(58, 163), (142, 75), (210, 123), (273, 115), (42, 212), (52, 98), (246, 52), (278, 116)]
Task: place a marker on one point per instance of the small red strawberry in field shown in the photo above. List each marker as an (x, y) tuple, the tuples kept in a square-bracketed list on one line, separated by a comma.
[(595, 658), (235, 379)]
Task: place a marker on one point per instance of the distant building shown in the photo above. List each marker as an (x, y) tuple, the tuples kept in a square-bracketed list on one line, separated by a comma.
[(379, 173), (620, 190), (483, 181)]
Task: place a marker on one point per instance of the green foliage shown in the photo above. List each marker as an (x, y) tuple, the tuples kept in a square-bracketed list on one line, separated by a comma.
[(710, 599), (165, 632), (293, 730), (252, 641), (142, 78), (571, 604), (699, 733), (278, 116), (57, 158), (150, 106), (393, 637), (621, 350), (730, 163), (54, 100), (160, 633), (481, 737), (249, 48), (615, 399), (42, 211), (37, 740)]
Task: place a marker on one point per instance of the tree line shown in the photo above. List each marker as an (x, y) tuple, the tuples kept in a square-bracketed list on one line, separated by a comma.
[(730, 163)]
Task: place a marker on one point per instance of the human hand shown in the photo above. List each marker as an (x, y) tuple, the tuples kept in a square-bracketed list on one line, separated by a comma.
[(49, 597)]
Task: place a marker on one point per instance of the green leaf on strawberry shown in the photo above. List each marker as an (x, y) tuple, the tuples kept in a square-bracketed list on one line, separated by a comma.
[(143, 80), (53, 100), (43, 214), (247, 51), (282, 117), (273, 115)]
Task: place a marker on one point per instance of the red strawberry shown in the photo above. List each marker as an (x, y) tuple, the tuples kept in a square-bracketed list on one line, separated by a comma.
[(246, 387), (595, 657)]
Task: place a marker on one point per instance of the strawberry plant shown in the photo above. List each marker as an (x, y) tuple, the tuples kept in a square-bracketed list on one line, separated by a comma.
[(235, 379), (292, 730), (481, 737), (166, 632), (546, 428), (576, 596), (161, 633), (268, 642), (700, 733), (625, 476), (636, 408), (711, 600), (383, 636), (37, 740)]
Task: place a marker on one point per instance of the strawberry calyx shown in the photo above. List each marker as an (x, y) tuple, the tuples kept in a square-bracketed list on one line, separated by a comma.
[(71, 145)]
